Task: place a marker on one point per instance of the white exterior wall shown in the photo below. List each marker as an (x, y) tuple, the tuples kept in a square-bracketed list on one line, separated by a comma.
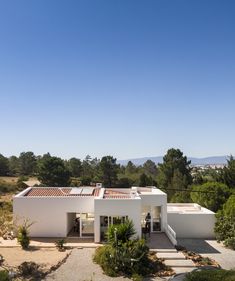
[(157, 200), (54, 216), (194, 225), (118, 207), (50, 213)]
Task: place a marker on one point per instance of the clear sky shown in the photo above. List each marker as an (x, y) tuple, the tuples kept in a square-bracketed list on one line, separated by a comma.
[(118, 77)]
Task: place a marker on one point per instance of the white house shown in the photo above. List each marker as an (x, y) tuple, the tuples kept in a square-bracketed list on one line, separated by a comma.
[(88, 211)]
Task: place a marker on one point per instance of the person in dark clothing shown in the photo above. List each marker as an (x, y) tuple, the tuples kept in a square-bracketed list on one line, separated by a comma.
[(77, 225)]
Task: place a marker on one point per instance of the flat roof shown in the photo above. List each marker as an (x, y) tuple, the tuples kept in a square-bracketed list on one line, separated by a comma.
[(187, 208)]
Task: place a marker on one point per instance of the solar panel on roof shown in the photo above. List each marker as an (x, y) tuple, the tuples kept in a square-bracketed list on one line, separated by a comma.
[(87, 190), (76, 191)]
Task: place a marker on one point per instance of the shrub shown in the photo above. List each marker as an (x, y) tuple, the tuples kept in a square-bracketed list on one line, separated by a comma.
[(225, 223), (4, 275), (23, 238), (230, 242), (127, 258), (123, 256), (137, 277), (60, 244), (223, 227), (211, 275), (23, 234), (29, 269), (104, 256)]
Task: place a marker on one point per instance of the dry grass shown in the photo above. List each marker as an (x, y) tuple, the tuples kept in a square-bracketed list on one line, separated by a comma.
[(9, 179), (45, 257), (14, 179), (6, 197)]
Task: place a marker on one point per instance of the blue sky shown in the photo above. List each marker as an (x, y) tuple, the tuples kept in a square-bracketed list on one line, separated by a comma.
[(123, 78)]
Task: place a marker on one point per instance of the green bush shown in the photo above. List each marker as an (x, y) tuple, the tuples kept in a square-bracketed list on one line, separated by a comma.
[(23, 238), (23, 234), (137, 277), (125, 256), (230, 242), (211, 275), (105, 257), (225, 223), (60, 244), (4, 275), (127, 259)]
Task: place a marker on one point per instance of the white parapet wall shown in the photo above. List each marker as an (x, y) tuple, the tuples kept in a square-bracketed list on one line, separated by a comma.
[(191, 220), (171, 235)]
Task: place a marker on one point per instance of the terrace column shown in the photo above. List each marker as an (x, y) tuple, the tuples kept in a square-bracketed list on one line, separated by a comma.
[(97, 228)]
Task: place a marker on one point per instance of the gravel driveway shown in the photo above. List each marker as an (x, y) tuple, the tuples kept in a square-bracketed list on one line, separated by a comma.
[(80, 267)]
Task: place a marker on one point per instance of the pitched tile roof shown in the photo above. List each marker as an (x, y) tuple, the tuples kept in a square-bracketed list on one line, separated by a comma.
[(57, 191)]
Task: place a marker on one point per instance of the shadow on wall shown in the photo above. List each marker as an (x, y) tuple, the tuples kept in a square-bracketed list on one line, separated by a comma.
[(199, 246)]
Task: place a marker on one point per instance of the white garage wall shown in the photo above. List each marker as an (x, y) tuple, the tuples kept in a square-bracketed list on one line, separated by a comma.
[(192, 225)]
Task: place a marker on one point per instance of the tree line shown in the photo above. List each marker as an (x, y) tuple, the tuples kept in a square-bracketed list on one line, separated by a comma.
[(174, 175)]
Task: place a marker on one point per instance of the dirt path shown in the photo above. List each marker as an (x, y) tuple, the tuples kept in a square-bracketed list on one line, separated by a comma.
[(46, 257)]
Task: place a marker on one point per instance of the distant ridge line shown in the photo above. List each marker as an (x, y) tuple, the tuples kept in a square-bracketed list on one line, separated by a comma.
[(212, 160)]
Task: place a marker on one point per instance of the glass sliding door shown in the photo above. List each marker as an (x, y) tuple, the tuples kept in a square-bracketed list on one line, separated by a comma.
[(87, 224), (106, 221), (119, 220)]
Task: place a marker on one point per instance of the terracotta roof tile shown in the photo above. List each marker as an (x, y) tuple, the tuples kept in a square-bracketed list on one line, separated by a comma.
[(56, 191), (116, 194)]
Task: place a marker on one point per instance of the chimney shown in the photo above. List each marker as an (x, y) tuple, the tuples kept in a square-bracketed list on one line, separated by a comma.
[(98, 185)]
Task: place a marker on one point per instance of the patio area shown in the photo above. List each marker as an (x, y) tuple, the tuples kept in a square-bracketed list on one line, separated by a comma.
[(159, 241), (212, 249)]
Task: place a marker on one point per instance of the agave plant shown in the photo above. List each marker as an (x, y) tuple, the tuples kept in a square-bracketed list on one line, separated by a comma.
[(120, 233)]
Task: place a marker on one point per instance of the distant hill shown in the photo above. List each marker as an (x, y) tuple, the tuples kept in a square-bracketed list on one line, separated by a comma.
[(213, 160)]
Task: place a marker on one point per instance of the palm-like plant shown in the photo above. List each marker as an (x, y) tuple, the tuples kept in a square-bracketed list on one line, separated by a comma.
[(23, 234), (120, 233)]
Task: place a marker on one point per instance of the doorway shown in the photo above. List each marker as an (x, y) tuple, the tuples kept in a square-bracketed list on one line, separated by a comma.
[(106, 221), (155, 221), (80, 225)]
